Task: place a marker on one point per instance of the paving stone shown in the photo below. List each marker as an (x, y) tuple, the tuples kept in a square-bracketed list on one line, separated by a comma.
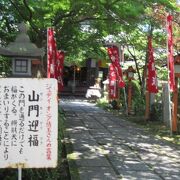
[(74, 122), (109, 140), (171, 176), (134, 165), (93, 125), (100, 133), (115, 161), (93, 160), (74, 137), (120, 132), (84, 136), (139, 175), (97, 173), (118, 149), (78, 129), (167, 168), (90, 145)]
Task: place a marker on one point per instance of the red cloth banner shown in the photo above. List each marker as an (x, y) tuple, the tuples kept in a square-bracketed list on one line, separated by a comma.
[(113, 53), (152, 86), (51, 54), (112, 83), (170, 53), (59, 69)]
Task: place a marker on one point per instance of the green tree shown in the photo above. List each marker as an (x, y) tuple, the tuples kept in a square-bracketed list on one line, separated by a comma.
[(80, 25)]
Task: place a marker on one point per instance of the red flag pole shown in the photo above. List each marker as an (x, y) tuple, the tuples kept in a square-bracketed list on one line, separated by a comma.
[(171, 76), (147, 94)]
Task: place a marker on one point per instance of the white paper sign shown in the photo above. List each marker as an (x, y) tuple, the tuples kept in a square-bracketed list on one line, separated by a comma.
[(28, 123)]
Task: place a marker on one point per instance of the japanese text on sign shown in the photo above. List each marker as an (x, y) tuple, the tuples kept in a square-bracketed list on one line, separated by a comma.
[(28, 123)]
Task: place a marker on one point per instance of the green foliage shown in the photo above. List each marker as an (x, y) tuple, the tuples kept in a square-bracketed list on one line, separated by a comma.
[(102, 101), (156, 112), (138, 100), (162, 73), (100, 18), (5, 66), (105, 104)]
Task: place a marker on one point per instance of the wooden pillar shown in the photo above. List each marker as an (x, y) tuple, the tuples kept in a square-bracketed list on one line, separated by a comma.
[(147, 111), (129, 96), (175, 106), (118, 97), (74, 79)]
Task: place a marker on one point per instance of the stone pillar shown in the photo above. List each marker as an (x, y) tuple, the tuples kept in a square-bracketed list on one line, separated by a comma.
[(166, 105)]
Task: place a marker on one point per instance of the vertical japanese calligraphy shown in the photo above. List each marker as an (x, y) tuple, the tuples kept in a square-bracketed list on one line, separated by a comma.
[(34, 121), (48, 123), (6, 137), (113, 53), (28, 123), (51, 50), (21, 118), (152, 84), (60, 62)]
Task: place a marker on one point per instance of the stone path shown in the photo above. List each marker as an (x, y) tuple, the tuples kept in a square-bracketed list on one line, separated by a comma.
[(107, 147)]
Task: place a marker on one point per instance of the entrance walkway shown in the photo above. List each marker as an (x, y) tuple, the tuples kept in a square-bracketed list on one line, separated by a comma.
[(107, 147)]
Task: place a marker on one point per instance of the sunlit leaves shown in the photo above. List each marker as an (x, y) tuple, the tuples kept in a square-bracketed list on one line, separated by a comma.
[(67, 17)]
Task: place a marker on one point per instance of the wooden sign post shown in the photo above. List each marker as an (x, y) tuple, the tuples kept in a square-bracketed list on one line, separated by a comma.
[(28, 123), (130, 76)]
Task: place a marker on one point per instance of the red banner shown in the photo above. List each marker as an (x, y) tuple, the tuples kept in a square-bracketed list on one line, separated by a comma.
[(113, 53), (170, 53), (152, 86), (59, 69), (51, 54), (112, 83)]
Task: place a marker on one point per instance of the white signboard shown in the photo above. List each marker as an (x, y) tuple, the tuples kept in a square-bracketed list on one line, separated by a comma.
[(28, 123)]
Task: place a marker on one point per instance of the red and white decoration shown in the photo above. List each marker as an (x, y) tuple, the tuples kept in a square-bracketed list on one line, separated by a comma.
[(170, 53), (152, 85), (59, 69), (51, 54), (112, 82), (113, 53), (55, 59)]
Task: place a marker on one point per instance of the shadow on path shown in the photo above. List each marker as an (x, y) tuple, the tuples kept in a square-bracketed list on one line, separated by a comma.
[(103, 146)]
